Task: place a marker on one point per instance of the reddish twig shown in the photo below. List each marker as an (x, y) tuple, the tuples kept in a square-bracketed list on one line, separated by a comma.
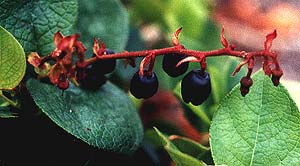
[(69, 44)]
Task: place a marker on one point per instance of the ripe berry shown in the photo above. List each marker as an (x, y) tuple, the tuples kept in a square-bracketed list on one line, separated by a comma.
[(169, 64), (195, 87), (143, 86), (93, 76), (93, 79), (107, 65)]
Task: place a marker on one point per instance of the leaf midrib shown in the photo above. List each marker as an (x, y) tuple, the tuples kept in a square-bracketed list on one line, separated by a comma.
[(258, 124)]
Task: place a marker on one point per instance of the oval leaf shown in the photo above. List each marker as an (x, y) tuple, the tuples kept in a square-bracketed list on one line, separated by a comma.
[(12, 61), (105, 118), (107, 20), (180, 158), (189, 146), (262, 128), (33, 23), (191, 15), (6, 113)]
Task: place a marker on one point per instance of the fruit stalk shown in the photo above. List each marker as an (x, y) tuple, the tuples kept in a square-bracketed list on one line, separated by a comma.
[(176, 62)]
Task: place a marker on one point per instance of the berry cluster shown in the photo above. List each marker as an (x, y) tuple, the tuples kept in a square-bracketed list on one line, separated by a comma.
[(195, 86)]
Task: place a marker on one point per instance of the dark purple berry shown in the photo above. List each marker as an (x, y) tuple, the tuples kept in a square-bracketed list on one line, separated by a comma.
[(92, 79), (169, 64), (107, 65), (195, 87), (109, 51), (143, 86)]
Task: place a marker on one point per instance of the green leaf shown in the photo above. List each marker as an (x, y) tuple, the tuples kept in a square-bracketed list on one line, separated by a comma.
[(3, 103), (188, 146), (180, 158), (105, 118), (104, 19), (5, 110), (12, 61), (147, 10), (262, 128), (34, 23), (191, 15), (6, 113)]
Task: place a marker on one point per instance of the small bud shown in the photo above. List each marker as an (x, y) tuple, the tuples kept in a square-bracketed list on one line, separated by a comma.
[(244, 91), (232, 47), (63, 82), (276, 75), (63, 85), (246, 83)]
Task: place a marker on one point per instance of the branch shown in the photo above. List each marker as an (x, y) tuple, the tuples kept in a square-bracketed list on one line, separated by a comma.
[(67, 45)]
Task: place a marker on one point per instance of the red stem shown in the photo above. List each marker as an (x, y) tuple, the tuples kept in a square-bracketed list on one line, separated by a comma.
[(180, 50), (65, 60), (151, 65)]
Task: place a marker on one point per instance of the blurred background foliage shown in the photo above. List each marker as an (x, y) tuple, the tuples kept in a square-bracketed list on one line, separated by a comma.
[(246, 24), (156, 22), (153, 23)]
